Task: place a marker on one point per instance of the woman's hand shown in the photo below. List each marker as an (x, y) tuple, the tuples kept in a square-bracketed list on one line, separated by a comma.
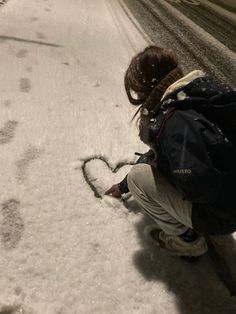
[(114, 191)]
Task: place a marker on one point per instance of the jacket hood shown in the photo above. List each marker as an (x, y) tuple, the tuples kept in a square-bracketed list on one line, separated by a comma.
[(183, 82), (196, 85)]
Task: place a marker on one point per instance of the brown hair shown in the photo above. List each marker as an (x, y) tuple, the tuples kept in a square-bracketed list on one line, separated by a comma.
[(149, 74)]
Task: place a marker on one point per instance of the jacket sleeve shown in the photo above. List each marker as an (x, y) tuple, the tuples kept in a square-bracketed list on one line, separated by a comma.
[(123, 185), (188, 141)]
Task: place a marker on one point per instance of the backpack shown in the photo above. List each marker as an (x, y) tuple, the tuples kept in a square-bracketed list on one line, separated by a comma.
[(219, 109), (216, 117)]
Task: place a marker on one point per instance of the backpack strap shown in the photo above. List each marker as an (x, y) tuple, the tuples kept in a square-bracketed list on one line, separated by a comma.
[(156, 124)]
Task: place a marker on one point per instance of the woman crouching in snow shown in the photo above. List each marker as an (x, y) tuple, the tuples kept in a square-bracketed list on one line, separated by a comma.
[(186, 182)]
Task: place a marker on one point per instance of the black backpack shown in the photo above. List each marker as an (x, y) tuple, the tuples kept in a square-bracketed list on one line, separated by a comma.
[(219, 109), (219, 123)]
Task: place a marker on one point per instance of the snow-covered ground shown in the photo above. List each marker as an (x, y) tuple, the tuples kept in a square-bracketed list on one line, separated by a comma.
[(62, 249)]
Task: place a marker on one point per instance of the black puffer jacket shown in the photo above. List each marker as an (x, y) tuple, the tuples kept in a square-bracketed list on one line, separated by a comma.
[(196, 156)]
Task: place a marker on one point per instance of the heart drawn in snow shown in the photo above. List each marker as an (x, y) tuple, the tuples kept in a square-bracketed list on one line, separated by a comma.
[(100, 175)]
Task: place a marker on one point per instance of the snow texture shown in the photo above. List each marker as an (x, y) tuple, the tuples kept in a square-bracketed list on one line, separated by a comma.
[(64, 117)]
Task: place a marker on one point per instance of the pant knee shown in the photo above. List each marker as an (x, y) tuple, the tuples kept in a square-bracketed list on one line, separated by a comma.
[(137, 175)]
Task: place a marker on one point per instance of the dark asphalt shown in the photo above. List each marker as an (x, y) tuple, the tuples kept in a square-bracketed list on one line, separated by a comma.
[(212, 22), (166, 29)]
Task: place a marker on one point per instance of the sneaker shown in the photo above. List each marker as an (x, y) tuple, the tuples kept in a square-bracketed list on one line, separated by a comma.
[(174, 244)]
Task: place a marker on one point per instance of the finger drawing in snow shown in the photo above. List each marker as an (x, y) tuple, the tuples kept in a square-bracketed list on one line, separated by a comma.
[(100, 175), (12, 224)]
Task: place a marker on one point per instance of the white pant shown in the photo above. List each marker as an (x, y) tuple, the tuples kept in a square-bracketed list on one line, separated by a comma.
[(159, 199)]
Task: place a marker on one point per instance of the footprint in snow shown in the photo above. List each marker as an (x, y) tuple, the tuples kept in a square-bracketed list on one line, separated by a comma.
[(12, 224), (7, 132)]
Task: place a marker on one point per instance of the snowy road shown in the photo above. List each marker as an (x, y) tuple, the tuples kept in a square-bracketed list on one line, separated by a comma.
[(202, 35), (214, 19), (62, 249)]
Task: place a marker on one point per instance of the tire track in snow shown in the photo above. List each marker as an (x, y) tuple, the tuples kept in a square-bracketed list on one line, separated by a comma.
[(167, 27), (213, 19)]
